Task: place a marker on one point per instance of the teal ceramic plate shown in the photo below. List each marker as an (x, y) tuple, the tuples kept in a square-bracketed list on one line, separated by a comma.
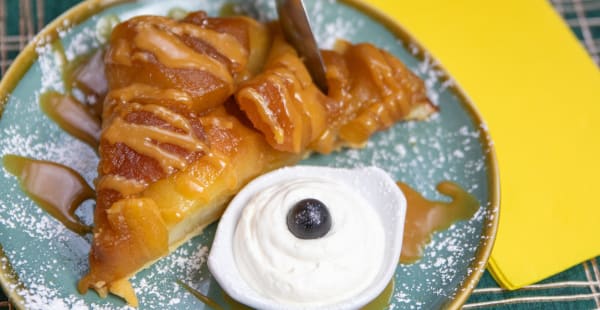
[(41, 261)]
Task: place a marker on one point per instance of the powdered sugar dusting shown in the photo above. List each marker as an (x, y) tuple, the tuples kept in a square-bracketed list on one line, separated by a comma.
[(158, 283), (327, 20), (330, 28), (49, 259), (445, 147)]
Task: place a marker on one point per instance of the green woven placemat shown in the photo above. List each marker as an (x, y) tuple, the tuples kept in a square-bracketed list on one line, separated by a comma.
[(576, 288)]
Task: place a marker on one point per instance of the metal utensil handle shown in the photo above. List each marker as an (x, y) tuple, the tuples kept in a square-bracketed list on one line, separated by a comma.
[(296, 28)]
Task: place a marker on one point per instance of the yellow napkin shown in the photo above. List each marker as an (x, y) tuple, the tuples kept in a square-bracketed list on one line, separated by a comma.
[(539, 93)]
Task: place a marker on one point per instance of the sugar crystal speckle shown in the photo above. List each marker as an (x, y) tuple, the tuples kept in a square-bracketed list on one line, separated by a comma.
[(446, 147)]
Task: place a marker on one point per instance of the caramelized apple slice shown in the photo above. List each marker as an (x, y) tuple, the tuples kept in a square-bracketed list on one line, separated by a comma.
[(387, 90), (205, 57), (282, 102), (371, 91)]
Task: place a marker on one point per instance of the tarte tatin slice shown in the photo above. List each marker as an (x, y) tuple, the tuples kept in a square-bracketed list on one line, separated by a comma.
[(197, 108)]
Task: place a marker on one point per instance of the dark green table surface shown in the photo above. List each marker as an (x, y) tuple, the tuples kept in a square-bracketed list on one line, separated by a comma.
[(576, 288)]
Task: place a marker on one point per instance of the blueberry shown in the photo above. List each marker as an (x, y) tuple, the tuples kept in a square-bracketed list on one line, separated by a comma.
[(309, 219)]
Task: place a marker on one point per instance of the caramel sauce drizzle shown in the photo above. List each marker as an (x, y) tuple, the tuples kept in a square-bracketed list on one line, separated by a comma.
[(126, 187), (60, 190), (174, 119), (144, 139), (145, 92), (85, 73), (173, 53), (234, 304), (162, 38), (382, 301), (72, 116), (424, 217), (224, 43), (55, 188)]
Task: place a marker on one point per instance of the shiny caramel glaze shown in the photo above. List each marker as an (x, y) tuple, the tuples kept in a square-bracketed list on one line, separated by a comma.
[(84, 74), (282, 102), (57, 189), (425, 217), (382, 301), (370, 90), (173, 149), (204, 57), (72, 116), (175, 146), (234, 304)]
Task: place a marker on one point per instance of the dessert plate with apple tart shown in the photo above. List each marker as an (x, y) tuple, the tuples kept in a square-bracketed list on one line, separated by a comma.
[(191, 110)]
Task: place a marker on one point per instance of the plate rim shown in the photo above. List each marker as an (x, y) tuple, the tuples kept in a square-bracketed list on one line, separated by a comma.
[(88, 8)]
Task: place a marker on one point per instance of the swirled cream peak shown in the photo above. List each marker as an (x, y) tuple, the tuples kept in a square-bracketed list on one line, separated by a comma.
[(319, 271)]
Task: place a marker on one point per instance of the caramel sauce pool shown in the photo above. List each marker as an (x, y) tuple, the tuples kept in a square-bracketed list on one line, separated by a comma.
[(234, 304), (72, 116), (84, 75), (424, 217), (60, 190), (55, 188), (381, 302)]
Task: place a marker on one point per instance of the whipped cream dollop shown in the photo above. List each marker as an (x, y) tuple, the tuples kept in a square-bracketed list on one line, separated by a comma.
[(312, 272)]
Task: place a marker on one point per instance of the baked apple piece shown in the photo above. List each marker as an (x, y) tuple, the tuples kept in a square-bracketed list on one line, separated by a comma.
[(171, 151), (369, 90)]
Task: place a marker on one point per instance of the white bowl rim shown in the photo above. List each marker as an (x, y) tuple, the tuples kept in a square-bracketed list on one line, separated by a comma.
[(221, 262)]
